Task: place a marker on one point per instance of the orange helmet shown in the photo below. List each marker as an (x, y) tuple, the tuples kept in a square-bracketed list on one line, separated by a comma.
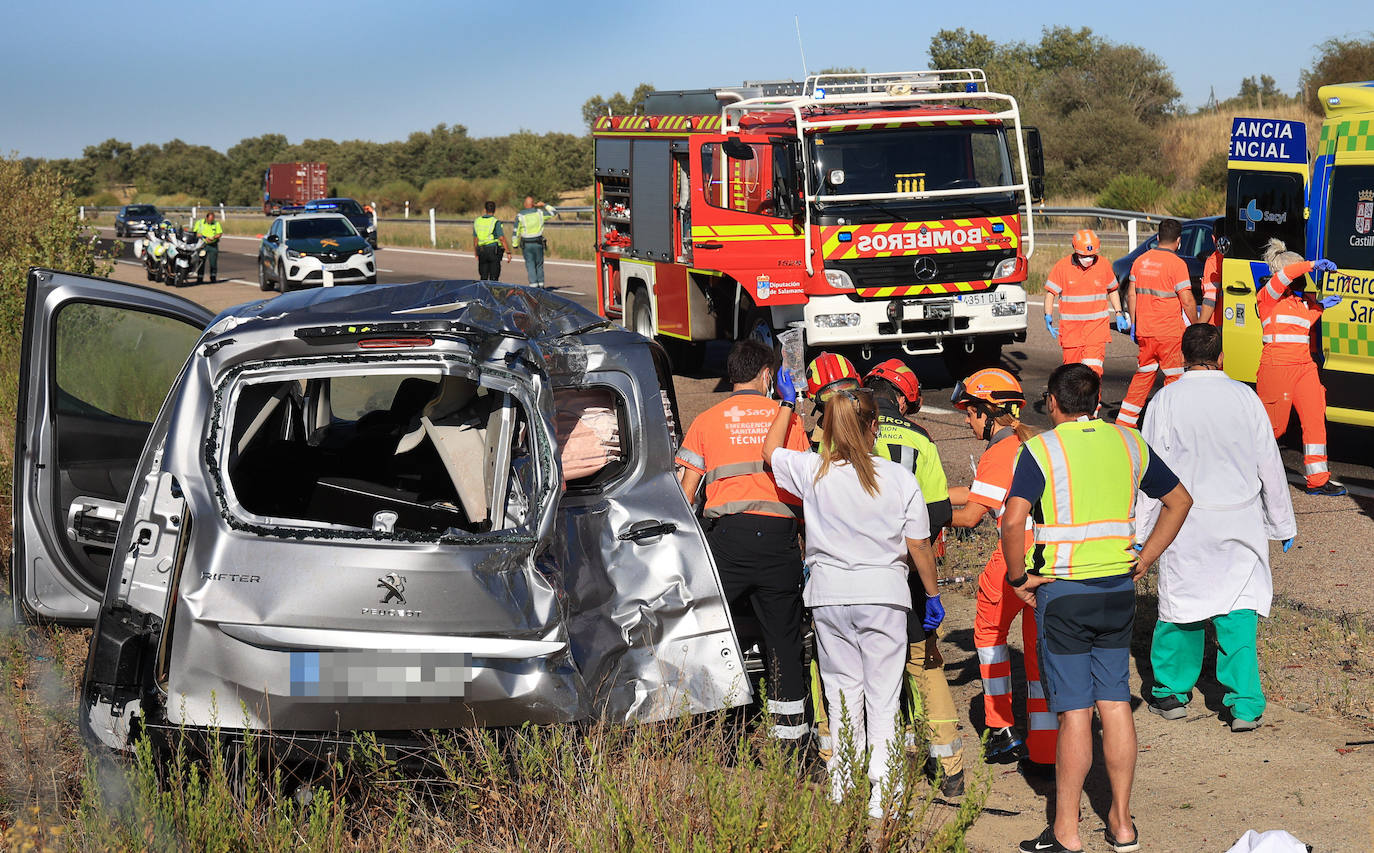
[(1085, 242), (902, 377), (994, 386), (827, 370)]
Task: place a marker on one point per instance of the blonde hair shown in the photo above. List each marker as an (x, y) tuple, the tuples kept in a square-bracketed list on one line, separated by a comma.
[(847, 436), (1022, 431), (1277, 256)]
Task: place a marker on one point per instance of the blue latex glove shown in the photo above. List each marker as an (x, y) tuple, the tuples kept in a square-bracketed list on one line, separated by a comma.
[(1330, 301), (1323, 265), (1049, 327), (1133, 340), (787, 389), (935, 614), (1123, 323), (1288, 543)]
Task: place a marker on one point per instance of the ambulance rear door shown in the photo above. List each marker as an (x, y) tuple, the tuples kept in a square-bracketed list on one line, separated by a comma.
[(1266, 197), (1343, 222)]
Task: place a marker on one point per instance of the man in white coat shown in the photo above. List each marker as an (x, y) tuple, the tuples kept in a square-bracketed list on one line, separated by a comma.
[(1213, 433)]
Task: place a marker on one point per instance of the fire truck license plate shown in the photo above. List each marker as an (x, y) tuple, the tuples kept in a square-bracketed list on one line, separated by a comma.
[(985, 298)]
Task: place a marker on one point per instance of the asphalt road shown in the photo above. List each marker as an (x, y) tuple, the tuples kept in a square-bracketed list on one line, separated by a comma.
[(1333, 530)]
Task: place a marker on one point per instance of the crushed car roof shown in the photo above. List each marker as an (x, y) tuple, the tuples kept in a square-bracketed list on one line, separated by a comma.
[(483, 306)]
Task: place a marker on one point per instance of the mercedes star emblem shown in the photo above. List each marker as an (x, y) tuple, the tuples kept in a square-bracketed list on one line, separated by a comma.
[(925, 268)]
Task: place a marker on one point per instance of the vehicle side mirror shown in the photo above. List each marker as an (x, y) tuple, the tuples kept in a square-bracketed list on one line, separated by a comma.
[(736, 150), (273, 238), (1035, 163)]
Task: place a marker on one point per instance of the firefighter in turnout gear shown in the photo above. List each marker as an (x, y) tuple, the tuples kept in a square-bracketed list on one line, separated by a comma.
[(992, 400), (825, 375), (1287, 377), (752, 523), (1161, 307), (897, 394), (1084, 287)]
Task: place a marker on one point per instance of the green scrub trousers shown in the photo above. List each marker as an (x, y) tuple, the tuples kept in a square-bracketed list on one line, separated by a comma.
[(1176, 656)]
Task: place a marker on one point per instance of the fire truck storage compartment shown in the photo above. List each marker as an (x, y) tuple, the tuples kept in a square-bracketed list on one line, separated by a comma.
[(651, 174)]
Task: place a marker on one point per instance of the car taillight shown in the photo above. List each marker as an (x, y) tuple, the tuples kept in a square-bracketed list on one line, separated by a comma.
[(395, 343)]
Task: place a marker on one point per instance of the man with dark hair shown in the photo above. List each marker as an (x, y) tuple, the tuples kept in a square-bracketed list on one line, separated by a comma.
[(1078, 484), (1161, 306), (1213, 432), (752, 523), (488, 242), (1210, 312)]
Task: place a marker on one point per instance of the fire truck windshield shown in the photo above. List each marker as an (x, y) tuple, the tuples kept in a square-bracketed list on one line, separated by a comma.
[(910, 160)]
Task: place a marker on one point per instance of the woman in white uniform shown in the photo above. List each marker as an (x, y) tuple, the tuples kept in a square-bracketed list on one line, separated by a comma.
[(864, 515)]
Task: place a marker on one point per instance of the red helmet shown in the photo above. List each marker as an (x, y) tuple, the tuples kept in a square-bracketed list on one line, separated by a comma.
[(1085, 242), (994, 386), (826, 370), (902, 377)]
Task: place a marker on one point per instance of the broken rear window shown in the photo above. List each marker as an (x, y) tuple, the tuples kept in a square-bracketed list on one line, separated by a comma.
[(394, 451)]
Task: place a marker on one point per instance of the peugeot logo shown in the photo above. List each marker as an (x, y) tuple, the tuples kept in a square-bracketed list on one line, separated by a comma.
[(926, 268), (395, 586)]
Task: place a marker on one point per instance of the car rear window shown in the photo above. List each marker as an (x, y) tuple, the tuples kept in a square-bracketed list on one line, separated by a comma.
[(385, 451), (140, 210), (323, 226)]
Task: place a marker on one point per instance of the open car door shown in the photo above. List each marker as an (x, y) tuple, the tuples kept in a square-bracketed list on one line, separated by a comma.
[(98, 360)]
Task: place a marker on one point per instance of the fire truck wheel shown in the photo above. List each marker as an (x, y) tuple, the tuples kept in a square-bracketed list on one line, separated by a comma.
[(686, 356), (641, 318), (758, 324)]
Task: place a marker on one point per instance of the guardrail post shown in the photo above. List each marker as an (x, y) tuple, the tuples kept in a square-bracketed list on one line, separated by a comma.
[(221, 211), (194, 210), (433, 238), (407, 210), (1130, 235), (83, 212)]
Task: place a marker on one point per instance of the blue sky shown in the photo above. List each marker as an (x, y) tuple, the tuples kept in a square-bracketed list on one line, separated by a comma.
[(76, 73)]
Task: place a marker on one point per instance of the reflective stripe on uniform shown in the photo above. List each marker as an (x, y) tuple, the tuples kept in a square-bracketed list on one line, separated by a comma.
[(688, 457), (1043, 720), (988, 655), (1083, 532), (737, 469), (1173, 371), (1146, 368), (1063, 500), (1092, 362), (946, 750), (1314, 449), (1284, 339), (1315, 468), (1129, 407), (1087, 297), (1150, 291), (1035, 690), (988, 491), (766, 507), (792, 706), (791, 732), (1289, 318), (1181, 286), (998, 686), (1273, 291), (1095, 315)]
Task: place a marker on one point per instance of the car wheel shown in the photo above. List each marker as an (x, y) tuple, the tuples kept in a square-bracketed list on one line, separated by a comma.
[(282, 284), (263, 283)]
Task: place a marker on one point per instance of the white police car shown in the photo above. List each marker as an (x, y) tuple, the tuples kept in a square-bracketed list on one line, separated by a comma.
[(299, 250)]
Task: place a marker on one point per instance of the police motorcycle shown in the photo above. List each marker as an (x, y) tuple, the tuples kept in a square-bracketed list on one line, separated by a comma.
[(152, 250), (186, 257)]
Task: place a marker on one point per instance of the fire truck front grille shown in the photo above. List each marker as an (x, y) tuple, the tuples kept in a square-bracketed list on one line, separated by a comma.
[(901, 272)]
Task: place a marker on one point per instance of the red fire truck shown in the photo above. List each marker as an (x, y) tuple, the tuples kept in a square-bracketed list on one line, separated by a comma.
[(870, 211)]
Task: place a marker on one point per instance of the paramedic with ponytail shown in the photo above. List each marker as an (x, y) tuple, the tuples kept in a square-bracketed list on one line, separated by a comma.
[(864, 516)]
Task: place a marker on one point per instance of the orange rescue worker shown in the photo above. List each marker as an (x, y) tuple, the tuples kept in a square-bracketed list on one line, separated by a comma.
[(1287, 377), (1210, 312), (1161, 307), (752, 523), (992, 400), (1085, 289)]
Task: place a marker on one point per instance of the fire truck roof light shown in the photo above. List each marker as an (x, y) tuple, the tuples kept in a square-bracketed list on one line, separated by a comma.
[(819, 95), (845, 237)]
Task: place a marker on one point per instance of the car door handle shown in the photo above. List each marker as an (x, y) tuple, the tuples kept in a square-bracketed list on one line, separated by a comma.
[(708, 245), (641, 531), (1237, 290)]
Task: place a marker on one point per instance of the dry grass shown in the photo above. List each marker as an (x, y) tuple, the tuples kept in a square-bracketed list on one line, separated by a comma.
[(1190, 140)]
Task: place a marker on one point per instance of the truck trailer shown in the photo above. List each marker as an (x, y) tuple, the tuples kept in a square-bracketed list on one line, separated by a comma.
[(292, 185), (868, 211)]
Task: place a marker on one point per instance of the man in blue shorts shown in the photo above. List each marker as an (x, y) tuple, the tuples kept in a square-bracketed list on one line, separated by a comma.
[(1077, 483)]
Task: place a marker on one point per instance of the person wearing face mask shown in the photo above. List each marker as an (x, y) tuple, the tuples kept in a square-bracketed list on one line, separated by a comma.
[(752, 523), (991, 401), (1085, 289)]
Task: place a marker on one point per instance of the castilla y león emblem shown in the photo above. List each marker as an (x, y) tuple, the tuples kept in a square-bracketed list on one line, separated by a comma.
[(1364, 211)]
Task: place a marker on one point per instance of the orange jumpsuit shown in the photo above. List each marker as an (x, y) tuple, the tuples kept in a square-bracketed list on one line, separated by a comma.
[(997, 606), (1287, 377), (1084, 310), (1158, 277), (1211, 287)]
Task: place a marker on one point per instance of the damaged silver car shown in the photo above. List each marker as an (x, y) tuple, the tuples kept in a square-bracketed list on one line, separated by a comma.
[(378, 508)]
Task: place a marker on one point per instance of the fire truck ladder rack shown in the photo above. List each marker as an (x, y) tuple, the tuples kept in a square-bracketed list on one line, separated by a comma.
[(816, 109)]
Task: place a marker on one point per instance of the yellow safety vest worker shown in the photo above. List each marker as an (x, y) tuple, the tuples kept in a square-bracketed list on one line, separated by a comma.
[(484, 227), (1085, 519), (209, 230), (529, 223)]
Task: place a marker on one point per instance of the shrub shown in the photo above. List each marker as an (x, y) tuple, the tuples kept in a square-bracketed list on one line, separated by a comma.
[(1131, 192), (1197, 202), (463, 195), (1212, 173), (393, 195), (105, 198)]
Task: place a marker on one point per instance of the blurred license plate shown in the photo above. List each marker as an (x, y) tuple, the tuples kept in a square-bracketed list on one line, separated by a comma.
[(985, 298)]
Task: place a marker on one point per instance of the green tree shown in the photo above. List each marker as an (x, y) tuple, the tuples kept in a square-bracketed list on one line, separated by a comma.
[(531, 166), (248, 161), (112, 162), (1338, 61), (617, 104)]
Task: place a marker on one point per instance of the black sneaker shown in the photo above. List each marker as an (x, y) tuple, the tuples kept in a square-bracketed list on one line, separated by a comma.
[(1036, 770), (1124, 846), (1167, 707), (1329, 489), (952, 786), (1045, 842), (1003, 747)]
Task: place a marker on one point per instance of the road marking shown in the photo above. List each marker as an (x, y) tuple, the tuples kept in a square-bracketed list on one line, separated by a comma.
[(379, 269), (936, 410)]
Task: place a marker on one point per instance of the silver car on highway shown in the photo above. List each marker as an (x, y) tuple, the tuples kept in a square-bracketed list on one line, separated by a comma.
[(373, 508)]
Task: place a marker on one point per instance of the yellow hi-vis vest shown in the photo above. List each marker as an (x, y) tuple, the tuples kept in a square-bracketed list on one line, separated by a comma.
[(1085, 520), (485, 228), (529, 224)]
